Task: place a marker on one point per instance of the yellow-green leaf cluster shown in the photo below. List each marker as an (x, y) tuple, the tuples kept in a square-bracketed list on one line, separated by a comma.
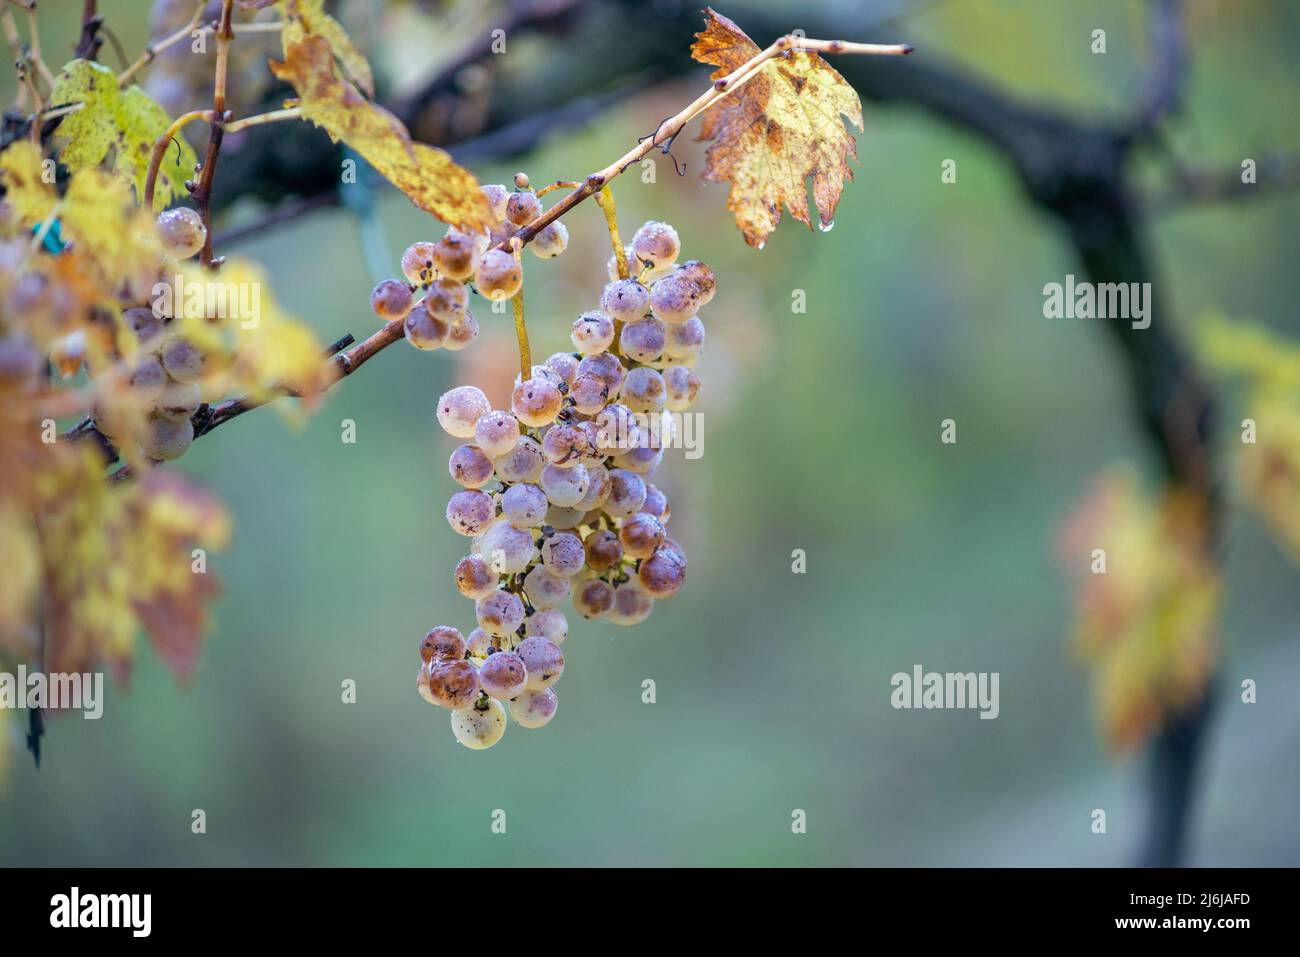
[(305, 18)]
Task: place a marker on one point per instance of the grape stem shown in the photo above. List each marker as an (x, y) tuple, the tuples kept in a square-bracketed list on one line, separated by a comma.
[(521, 334), (273, 116), (669, 128)]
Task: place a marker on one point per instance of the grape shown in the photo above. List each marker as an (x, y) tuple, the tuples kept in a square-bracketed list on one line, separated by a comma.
[(603, 550), (417, 266), (453, 684), (498, 276), (544, 661), (470, 512), (682, 386), (478, 644), (148, 379), (443, 644), (550, 241), (563, 365), (534, 709), (544, 588), (563, 554), (446, 299), (453, 255), (543, 373), (165, 439), (627, 493), (703, 278), (625, 300), (148, 328), (425, 331), (182, 232), (496, 434), (460, 408), (498, 197), (644, 390), (592, 333), (503, 675), (662, 574), (643, 340), (474, 577), (593, 598), (470, 466), (675, 298), (592, 454), (611, 264), (523, 463), (656, 243), (656, 503), (605, 366), (391, 299), (422, 684), (563, 517), (641, 534), (500, 613), (549, 623), (617, 428), (598, 488), (588, 393), (536, 402), (182, 359), (179, 401), (564, 445), (671, 544), (481, 726), (686, 340), (523, 207), (524, 505), (643, 460), (507, 550), (631, 604), (565, 486), (462, 331)]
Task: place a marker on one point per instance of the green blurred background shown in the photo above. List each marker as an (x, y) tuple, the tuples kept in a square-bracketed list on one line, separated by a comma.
[(821, 433)]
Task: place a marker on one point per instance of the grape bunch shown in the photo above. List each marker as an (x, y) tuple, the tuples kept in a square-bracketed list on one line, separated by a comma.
[(555, 493)]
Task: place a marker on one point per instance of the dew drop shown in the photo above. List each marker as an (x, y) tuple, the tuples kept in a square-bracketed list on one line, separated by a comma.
[(826, 226), (760, 246)]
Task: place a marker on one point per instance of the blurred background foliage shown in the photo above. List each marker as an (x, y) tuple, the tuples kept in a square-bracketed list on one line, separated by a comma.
[(821, 433)]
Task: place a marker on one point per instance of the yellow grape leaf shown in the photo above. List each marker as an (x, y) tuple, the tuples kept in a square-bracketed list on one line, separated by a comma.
[(30, 197), (127, 122), (107, 229), (427, 175), (782, 127), (1245, 348), (303, 17)]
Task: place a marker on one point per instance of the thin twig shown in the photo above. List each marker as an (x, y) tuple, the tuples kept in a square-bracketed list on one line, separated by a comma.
[(273, 116), (153, 49), (202, 192), (521, 336)]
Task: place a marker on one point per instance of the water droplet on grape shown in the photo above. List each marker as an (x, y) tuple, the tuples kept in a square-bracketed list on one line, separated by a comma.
[(827, 225), (760, 246)]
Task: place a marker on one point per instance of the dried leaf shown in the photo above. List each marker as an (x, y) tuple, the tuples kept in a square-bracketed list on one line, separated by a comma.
[(26, 191), (427, 175), (305, 17), (782, 127)]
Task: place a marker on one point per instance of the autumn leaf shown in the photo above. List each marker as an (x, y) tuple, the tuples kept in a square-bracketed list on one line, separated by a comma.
[(126, 123), (427, 175), (26, 191), (780, 128), (304, 17)]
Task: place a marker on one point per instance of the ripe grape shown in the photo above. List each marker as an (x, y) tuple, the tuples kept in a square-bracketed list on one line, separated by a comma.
[(536, 402), (641, 534), (550, 241), (617, 428), (462, 331), (682, 386), (627, 493), (625, 300), (446, 299), (603, 550), (470, 512), (644, 390), (550, 623), (563, 365), (607, 367), (524, 463), (593, 598), (643, 459), (480, 726), (563, 554), (182, 359), (148, 378), (662, 574), (544, 588), (496, 433), (453, 255), (425, 331), (507, 550), (391, 299), (474, 577), (563, 517), (523, 207), (656, 503), (703, 278), (592, 333), (443, 644), (164, 439), (544, 661), (148, 328), (685, 340), (534, 709), (503, 675), (422, 684), (453, 684), (524, 505), (417, 266), (656, 243), (597, 489), (478, 644), (498, 197), (182, 232), (500, 614), (675, 298), (460, 408), (588, 393), (497, 275), (179, 401), (565, 486), (632, 605), (643, 340), (470, 466), (564, 444)]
